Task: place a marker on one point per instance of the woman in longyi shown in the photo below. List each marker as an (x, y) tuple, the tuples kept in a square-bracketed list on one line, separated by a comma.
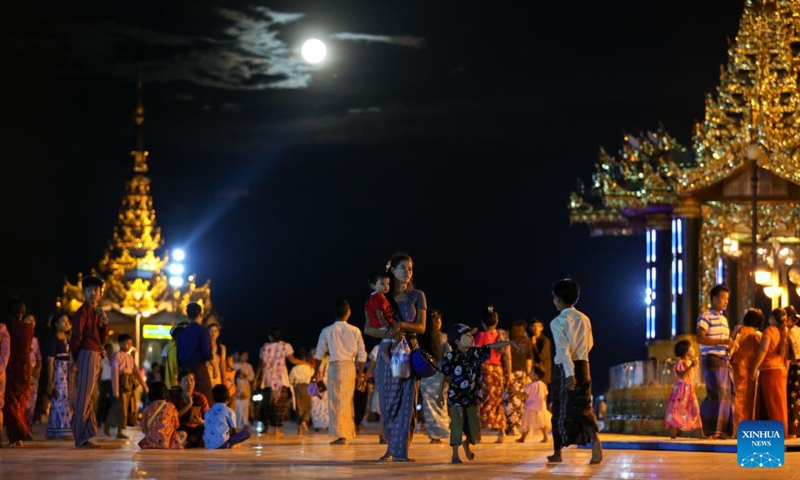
[(746, 339)]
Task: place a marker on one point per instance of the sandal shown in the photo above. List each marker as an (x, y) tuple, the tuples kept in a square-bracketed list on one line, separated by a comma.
[(385, 458), (403, 459)]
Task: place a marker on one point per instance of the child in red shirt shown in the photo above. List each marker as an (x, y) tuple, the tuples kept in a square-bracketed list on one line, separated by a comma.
[(378, 309)]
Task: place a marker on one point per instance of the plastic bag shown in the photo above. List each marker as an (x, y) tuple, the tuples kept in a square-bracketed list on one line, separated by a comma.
[(401, 360)]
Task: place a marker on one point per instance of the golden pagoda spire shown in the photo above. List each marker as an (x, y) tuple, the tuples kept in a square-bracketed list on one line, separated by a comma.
[(139, 154), (132, 253), (757, 101), (134, 264)]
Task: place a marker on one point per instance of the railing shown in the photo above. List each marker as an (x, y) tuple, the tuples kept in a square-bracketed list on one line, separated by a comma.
[(638, 395), (645, 373)]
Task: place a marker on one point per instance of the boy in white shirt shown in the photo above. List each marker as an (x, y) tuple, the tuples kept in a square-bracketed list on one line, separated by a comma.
[(220, 423), (573, 420), (300, 377)]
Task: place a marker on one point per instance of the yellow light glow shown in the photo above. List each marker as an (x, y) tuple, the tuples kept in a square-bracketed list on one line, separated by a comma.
[(773, 291), (763, 277)]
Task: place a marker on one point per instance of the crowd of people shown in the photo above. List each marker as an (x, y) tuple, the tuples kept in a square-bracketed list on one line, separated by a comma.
[(750, 372), (510, 382)]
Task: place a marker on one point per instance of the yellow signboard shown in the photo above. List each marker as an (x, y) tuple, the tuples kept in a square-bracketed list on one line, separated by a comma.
[(156, 332)]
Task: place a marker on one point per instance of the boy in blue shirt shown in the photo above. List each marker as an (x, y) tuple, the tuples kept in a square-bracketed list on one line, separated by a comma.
[(220, 422)]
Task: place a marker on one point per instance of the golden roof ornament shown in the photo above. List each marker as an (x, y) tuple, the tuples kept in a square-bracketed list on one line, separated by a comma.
[(754, 114), (643, 173), (757, 101)]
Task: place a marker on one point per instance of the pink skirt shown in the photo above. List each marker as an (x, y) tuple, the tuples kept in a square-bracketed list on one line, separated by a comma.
[(535, 419)]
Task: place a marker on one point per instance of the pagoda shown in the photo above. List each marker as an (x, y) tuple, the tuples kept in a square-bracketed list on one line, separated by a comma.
[(139, 290), (724, 212), (696, 209)]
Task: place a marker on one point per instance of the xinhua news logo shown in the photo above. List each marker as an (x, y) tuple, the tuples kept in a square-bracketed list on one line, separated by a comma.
[(760, 444)]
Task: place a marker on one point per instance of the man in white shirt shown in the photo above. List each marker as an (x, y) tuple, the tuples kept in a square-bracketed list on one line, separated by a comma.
[(345, 345), (573, 421)]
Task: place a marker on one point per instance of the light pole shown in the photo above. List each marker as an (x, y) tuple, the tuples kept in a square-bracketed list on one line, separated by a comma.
[(754, 152), (138, 338)]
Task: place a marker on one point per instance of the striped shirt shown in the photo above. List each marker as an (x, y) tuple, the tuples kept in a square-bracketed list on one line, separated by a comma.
[(716, 326)]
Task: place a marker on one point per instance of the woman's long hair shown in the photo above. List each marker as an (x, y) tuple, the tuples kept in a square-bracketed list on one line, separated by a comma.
[(431, 340), (54, 318), (397, 258), (219, 343), (779, 315)]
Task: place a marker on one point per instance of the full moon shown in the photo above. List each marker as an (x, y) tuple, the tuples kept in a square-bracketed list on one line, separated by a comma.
[(314, 51)]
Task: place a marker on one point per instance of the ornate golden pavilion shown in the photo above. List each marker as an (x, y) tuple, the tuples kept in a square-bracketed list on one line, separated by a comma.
[(696, 209), (134, 265)]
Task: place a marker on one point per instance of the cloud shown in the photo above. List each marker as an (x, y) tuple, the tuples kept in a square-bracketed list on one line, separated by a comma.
[(358, 111), (280, 17), (245, 53), (243, 50), (403, 41)]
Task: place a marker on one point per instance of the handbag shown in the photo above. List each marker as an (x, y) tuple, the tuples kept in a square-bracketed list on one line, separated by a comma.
[(321, 387), (417, 361), (423, 363)]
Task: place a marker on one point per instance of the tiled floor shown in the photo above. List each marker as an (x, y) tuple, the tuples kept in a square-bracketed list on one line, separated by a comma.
[(293, 457)]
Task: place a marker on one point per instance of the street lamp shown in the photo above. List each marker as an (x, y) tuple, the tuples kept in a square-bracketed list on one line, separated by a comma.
[(777, 270), (754, 153), (178, 255), (176, 270)]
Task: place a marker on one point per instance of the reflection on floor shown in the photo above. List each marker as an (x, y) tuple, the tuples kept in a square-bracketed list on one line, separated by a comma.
[(292, 456)]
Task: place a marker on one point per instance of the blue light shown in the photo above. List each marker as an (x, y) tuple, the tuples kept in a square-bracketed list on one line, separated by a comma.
[(653, 323), (653, 248), (674, 318)]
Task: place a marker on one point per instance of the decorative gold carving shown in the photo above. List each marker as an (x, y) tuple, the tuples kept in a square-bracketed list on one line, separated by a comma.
[(644, 173), (721, 219), (756, 102), (688, 207)]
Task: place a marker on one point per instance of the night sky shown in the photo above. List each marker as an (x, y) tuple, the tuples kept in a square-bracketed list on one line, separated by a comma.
[(454, 131)]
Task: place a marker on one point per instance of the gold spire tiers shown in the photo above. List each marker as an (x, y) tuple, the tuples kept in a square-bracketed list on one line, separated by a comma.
[(757, 101), (135, 263), (751, 127)]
